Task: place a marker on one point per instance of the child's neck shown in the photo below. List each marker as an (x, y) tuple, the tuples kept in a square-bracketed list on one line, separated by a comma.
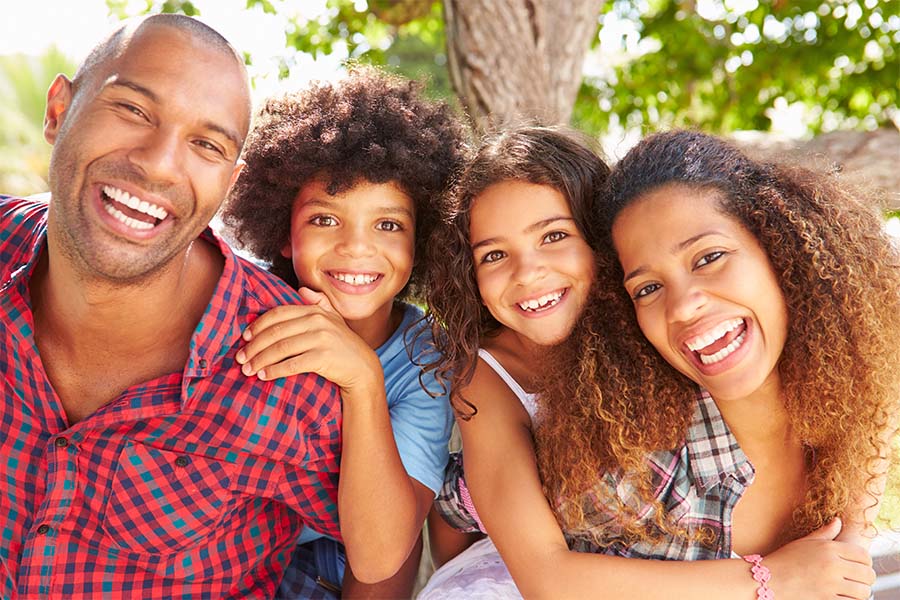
[(520, 357), (376, 329)]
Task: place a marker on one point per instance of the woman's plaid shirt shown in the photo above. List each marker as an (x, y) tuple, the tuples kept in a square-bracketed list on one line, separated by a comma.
[(195, 484), (698, 484)]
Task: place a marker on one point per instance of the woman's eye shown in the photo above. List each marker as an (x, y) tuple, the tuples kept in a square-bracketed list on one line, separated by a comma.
[(323, 221), (644, 291), (709, 258), (390, 226), (492, 256), (555, 236)]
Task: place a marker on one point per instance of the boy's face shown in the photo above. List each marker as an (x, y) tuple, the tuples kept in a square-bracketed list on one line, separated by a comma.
[(356, 247)]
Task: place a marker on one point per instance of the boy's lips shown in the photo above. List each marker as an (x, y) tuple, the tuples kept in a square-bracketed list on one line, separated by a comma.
[(354, 282)]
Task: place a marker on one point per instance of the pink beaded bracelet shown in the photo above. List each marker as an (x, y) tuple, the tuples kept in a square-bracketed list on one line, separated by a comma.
[(761, 575)]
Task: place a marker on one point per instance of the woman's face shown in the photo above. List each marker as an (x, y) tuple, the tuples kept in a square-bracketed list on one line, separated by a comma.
[(704, 292), (533, 267)]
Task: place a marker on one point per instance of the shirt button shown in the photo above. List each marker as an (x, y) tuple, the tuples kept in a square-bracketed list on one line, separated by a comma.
[(202, 363), (61, 442), (43, 529), (181, 461)]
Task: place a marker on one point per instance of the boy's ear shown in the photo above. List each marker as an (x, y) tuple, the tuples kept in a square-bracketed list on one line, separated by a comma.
[(59, 99), (287, 250)]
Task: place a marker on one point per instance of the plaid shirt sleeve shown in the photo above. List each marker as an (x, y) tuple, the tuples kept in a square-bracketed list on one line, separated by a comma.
[(453, 502)]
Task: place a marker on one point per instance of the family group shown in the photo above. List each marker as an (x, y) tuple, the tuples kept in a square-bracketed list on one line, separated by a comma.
[(673, 377)]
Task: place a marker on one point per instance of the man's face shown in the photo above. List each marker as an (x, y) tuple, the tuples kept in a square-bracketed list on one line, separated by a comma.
[(144, 151)]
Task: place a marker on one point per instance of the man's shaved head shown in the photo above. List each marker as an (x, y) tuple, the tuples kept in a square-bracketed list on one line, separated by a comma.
[(117, 41)]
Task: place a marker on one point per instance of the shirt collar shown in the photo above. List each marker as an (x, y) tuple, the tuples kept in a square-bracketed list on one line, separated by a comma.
[(220, 327), (38, 237), (713, 451)]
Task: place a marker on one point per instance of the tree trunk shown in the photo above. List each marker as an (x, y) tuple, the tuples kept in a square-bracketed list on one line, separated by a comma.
[(866, 160), (518, 59)]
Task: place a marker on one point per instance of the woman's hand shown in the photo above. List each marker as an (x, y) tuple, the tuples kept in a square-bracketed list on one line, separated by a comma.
[(816, 566)]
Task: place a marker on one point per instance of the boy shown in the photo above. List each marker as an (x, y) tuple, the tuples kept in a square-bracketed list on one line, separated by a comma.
[(340, 194)]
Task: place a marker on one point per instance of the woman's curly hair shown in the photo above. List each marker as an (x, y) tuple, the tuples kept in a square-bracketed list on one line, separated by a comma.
[(553, 156), (371, 126), (613, 398)]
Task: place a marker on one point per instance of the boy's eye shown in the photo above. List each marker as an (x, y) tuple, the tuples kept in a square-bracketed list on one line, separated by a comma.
[(323, 221), (644, 291), (709, 258), (493, 256), (555, 236), (390, 226)]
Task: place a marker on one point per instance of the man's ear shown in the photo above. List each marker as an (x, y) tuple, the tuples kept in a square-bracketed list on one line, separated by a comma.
[(238, 167), (59, 98)]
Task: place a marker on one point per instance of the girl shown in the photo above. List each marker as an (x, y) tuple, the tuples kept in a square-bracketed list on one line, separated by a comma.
[(508, 278), (776, 294), (497, 436), (339, 194)]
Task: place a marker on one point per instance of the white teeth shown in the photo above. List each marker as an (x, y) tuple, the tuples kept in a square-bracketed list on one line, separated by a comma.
[(545, 301), (135, 203), (721, 354), (355, 279), (122, 217), (713, 335)]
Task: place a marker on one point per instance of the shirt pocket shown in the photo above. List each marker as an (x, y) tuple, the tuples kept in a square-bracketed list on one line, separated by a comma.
[(163, 502)]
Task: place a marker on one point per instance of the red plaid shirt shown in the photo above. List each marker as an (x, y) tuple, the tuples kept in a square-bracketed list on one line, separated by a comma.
[(195, 484)]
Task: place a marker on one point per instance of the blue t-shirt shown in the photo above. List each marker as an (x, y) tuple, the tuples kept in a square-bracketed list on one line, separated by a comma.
[(421, 423)]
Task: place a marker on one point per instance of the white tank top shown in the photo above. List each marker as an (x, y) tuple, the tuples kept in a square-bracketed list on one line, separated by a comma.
[(529, 401)]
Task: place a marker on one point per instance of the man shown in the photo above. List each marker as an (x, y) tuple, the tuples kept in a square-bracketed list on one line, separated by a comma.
[(136, 459)]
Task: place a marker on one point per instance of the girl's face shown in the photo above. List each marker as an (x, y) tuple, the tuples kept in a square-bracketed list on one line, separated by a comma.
[(532, 265), (704, 291), (356, 247)]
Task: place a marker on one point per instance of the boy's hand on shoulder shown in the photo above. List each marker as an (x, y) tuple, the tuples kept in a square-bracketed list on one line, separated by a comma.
[(310, 338)]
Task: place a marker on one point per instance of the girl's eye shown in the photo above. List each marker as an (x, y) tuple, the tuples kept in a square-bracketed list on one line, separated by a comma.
[(555, 236), (709, 258), (644, 291), (390, 226), (493, 256), (323, 221)]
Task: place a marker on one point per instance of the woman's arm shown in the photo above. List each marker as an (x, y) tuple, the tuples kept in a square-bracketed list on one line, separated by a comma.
[(502, 477)]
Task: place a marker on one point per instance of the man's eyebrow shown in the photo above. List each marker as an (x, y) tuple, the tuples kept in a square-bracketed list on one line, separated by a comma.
[(676, 248), (136, 87), (233, 136)]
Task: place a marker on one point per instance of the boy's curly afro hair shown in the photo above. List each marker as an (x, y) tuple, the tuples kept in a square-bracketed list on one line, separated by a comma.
[(371, 126)]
